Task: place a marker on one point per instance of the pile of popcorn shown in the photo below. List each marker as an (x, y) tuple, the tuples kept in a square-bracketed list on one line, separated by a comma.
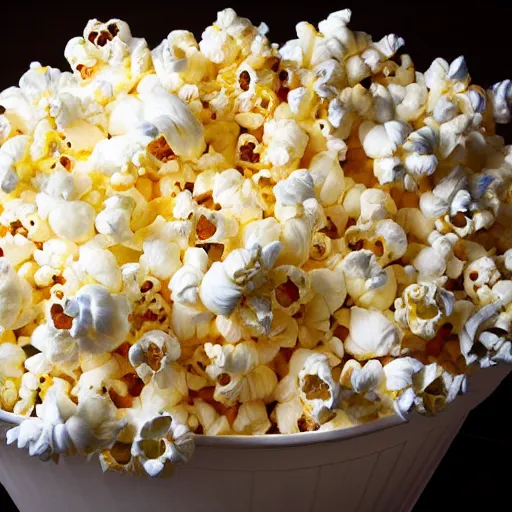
[(227, 237)]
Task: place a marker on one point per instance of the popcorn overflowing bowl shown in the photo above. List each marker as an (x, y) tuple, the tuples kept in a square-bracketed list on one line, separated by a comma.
[(292, 258)]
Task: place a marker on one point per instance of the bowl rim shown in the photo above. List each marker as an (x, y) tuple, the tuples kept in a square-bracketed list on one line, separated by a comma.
[(299, 439), (270, 440)]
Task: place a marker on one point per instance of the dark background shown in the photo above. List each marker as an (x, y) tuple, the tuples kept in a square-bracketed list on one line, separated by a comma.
[(475, 471)]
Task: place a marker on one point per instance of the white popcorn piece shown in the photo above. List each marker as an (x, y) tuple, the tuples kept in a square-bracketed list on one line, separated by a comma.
[(327, 177), (184, 284), (240, 358), (376, 205), (367, 282), (90, 308), (27, 395), (371, 335), (11, 153), (163, 436), (102, 266), (56, 344), (380, 141), (176, 57), (286, 142), (17, 248), (219, 42), (292, 288), (72, 220), (15, 298), (252, 419), (399, 373), (500, 96), (161, 258), (317, 389), (368, 379), (114, 219), (261, 232), (237, 372), (61, 427), (188, 322), (237, 194), (212, 423), (314, 322), (479, 278), (423, 308), (12, 358), (242, 271), (435, 388), (56, 253), (152, 357), (172, 118), (430, 264)]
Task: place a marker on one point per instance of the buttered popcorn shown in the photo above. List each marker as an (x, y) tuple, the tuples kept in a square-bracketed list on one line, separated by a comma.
[(227, 237)]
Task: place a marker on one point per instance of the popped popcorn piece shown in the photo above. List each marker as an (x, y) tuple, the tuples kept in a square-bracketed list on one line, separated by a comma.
[(61, 427), (15, 298), (114, 219), (252, 419), (422, 308), (367, 282), (12, 152), (243, 271), (286, 143), (163, 436), (152, 357), (317, 389), (90, 309), (371, 335)]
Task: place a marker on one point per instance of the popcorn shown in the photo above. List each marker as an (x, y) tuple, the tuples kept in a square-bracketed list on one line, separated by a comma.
[(368, 379), (27, 394), (178, 55), (89, 310), (328, 177), (286, 143), (252, 419), (501, 97), (12, 358), (241, 272), (164, 437), (385, 238), (15, 298), (423, 307), (72, 220), (228, 237), (17, 248), (102, 266), (172, 118), (378, 338), (367, 282), (114, 220), (152, 357), (433, 389), (238, 375), (62, 427), (479, 278), (317, 389), (212, 423), (55, 343), (12, 152), (161, 258)]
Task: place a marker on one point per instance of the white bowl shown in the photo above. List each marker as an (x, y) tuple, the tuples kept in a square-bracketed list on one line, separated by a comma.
[(380, 466)]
